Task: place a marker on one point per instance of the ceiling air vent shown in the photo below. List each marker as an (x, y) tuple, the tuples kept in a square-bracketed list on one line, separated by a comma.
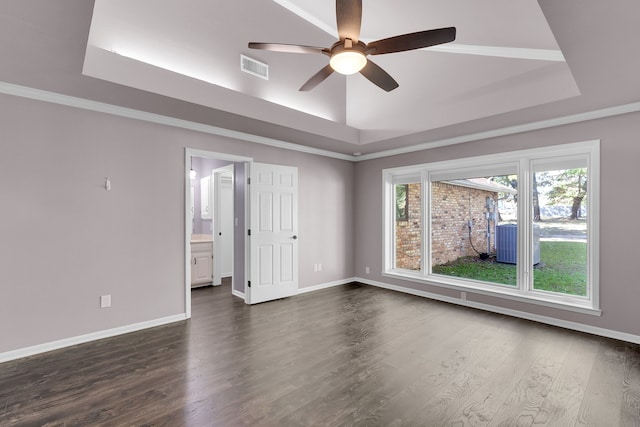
[(256, 68)]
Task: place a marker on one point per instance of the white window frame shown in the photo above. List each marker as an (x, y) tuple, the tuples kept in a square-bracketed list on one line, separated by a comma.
[(524, 161)]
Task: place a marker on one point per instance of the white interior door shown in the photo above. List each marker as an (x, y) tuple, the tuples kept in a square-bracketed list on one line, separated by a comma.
[(222, 224), (273, 242), (224, 219)]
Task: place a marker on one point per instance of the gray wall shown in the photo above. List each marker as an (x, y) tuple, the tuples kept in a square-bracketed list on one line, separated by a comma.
[(619, 236), (66, 240)]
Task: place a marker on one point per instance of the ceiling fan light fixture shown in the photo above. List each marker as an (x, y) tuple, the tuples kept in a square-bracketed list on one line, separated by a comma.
[(348, 62), (349, 54)]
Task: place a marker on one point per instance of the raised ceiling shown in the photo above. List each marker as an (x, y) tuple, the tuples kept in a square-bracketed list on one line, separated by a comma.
[(505, 58)]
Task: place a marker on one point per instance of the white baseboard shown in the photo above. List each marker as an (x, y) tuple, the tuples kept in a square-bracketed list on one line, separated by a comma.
[(608, 333), (67, 342), (326, 285)]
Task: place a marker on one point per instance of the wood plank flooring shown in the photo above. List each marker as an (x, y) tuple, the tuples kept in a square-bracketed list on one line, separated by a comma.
[(351, 355)]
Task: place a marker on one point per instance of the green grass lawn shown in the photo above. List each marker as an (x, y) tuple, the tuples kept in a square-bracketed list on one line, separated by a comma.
[(562, 269)]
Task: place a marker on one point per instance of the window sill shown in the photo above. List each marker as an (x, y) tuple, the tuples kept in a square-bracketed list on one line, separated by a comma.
[(498, 292)]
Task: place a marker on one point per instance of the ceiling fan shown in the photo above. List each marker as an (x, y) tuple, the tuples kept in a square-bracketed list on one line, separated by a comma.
[(349, 54)]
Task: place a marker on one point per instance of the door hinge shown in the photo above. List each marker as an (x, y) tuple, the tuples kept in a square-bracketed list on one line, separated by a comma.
[(249, 232), (248, 181), (249, 283)]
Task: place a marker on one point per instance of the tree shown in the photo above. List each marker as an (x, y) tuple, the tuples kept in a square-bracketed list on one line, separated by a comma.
[(536, 199), (402, 211), (568, 186), (508, 181)]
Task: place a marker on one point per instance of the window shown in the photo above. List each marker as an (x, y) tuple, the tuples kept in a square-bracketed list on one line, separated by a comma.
[(467, 215), (560, 212), (521, 225)]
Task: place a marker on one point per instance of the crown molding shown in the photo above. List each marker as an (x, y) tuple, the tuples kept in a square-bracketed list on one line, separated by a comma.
[(292, 7), (494, 51), (501, 52), (85, 104), (510, 130)]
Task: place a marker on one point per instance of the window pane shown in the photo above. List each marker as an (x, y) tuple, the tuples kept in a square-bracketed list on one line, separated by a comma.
[(401, 202), (408, 227), (560, 230), (474, 228)]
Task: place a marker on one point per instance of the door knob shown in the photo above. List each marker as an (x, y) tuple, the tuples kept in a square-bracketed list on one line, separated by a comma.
[(294, 237)]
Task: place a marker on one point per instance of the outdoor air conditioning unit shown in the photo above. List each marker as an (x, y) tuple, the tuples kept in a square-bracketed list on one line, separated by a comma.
[(507, 243)]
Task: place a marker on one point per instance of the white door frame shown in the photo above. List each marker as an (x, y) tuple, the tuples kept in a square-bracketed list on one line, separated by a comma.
[(189, 153)]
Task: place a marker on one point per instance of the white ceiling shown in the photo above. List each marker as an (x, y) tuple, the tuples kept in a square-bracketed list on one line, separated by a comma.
[(505, 58)]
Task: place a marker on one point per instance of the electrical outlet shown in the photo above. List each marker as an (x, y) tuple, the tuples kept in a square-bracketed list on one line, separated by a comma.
[(105, 301), (367, 270), (319, 267)]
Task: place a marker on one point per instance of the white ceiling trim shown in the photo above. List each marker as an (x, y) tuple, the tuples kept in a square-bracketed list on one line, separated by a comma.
[(330, 29), (511, 130), (85, 104), (494, 51), (501, 52)]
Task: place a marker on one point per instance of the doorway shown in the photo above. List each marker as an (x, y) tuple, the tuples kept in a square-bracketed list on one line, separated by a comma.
[(224, 220), (200, 211), (265, 198)]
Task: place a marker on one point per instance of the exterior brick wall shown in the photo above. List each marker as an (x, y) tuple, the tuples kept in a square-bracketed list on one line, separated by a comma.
[(409, 233), (452, 207)]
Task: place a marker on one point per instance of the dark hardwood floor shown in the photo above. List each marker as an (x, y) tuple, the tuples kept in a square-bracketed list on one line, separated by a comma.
[(349, 355)]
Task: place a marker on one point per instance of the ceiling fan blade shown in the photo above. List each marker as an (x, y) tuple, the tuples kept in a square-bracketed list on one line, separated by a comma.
[(317, 78), (349, 19), (412, 41), (290, 48), (378, 76)]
